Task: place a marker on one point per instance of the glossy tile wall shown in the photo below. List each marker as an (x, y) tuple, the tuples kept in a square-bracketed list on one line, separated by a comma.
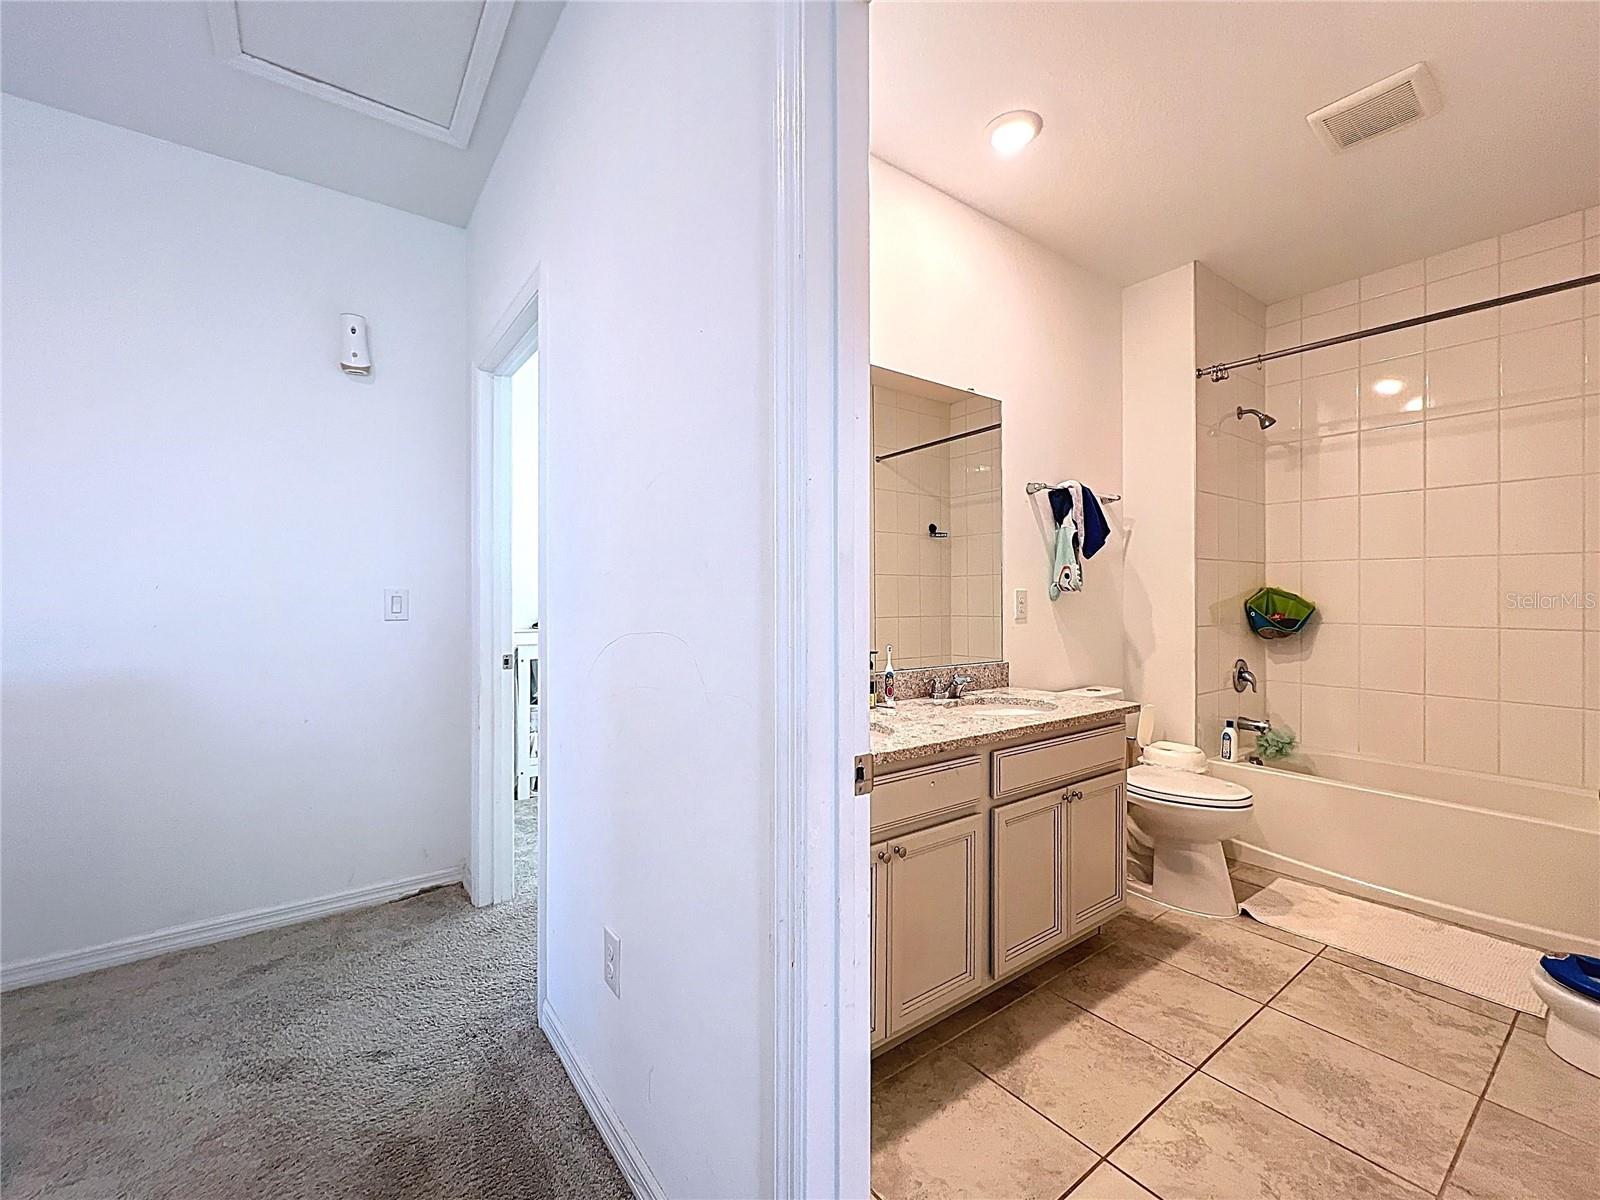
[(911, 571), (935, 599), (1436, 491), (1230, 510)]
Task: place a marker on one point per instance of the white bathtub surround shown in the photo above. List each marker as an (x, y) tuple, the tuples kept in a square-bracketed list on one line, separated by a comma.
[(1440, 501), (1471, 962), (1515, 860)]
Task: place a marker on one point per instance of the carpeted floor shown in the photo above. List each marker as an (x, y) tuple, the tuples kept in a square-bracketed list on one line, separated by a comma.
[(387, 1054)]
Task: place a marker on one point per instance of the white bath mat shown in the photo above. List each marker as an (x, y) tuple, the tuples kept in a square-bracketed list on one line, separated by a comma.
[(1464, 959)]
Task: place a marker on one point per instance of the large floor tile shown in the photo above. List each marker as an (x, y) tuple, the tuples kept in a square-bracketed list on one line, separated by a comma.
[(920, 1045), (1271, 933), (1477, 1004), (1437, 1038), (1219, 951), (1398, 1117), (1508, 1157), (1533, 1081), (1181, 1013), (1259, 876), (941, 1129), (1105, 1182), (1089, 1077), (1211, 1143)]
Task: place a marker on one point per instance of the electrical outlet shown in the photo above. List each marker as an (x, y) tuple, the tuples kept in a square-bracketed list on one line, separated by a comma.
[(1019, 607), (614, 964)]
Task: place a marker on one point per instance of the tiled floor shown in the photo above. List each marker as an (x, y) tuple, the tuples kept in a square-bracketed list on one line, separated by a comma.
[(1174, 1057)]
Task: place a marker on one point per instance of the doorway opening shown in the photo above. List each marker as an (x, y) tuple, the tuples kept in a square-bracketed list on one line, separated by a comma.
[(524, 784)]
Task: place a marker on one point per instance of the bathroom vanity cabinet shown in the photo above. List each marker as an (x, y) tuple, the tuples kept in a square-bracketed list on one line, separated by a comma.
[(986, 862)]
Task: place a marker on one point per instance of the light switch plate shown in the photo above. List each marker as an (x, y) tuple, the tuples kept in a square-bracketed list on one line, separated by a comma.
[(613, 967), (397, 605)]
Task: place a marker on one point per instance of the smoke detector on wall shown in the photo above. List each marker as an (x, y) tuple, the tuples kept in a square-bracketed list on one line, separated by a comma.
[(1391, 103)]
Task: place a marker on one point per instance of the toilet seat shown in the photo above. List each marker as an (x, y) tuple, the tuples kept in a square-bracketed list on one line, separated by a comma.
[(1185, 789)]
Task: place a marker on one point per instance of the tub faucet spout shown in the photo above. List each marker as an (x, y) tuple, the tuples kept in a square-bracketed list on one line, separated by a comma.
[(1253, 725)]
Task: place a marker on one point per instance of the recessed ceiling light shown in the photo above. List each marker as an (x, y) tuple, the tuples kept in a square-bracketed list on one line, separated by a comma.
[(1010, 132), (1388, 387)]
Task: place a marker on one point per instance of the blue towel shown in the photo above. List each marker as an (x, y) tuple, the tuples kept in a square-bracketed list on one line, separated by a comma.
[(1095, 530)]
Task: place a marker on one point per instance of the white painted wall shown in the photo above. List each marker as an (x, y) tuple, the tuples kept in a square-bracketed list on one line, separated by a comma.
[(962, 300), (204, 711), (1158, 467), (652, 226)]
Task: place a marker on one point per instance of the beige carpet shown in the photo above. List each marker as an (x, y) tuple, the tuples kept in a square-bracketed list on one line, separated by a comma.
[(388, 1054), (1464, 959)]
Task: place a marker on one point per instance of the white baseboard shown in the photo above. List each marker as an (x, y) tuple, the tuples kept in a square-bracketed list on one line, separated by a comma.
[(218, 929), (616, 1137)]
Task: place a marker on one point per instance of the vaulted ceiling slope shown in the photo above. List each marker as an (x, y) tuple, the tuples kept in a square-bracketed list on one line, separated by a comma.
[(405, 102), (1176, 131)]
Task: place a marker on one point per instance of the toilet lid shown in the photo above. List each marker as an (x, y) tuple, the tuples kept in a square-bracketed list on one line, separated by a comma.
[(1166, 785)]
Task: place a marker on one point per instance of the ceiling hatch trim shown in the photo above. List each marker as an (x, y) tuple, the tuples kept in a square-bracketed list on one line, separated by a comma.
[(493, 19)]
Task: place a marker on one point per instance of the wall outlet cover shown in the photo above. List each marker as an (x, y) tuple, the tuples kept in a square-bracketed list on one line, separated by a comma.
[(1019, 607)]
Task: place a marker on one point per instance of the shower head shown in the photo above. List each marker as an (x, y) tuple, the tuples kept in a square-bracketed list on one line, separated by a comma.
[(1267, 419)]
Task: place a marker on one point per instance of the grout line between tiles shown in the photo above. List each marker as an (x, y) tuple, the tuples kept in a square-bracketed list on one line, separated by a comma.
[(1473, 1119)]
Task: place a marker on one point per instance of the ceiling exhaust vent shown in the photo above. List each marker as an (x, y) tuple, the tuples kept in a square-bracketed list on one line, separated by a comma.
[(1390, 103)]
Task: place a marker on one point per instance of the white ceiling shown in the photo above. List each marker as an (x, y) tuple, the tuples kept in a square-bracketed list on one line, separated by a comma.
[(151, 67), (1176, 131)]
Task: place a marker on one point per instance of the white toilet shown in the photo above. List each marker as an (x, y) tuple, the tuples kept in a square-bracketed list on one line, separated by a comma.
[(1186, 814)]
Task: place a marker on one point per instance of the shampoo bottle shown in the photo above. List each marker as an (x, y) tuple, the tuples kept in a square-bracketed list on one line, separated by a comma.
[(888, 678), (1230, 739)]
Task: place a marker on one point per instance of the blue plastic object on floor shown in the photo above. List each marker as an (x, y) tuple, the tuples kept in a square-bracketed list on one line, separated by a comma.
[(1576, 972)]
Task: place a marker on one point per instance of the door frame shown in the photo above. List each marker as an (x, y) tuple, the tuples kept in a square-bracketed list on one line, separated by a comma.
[(491, 859), (820, 407)]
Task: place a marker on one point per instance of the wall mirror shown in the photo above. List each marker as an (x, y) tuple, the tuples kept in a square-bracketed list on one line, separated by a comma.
[(935, 521)]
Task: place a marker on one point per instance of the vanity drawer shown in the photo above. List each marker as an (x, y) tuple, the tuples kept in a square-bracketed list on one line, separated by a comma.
[(1024, 769), (944, 789)]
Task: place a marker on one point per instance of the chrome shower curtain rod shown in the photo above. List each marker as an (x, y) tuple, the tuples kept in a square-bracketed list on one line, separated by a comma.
[(1220, 371), (954, 437)]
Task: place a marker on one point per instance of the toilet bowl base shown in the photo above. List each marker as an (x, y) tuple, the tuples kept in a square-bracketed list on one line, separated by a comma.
[(1193, 876)]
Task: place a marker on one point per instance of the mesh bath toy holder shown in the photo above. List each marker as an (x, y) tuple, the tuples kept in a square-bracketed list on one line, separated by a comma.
[(1274, 613)]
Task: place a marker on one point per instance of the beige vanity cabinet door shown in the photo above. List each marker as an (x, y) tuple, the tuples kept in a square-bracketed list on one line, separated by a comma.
[(937, 882), (879, 906), (1096, 851), (1028, 842)]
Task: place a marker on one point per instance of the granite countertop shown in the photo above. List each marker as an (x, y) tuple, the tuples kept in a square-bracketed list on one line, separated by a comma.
[(922, 728)]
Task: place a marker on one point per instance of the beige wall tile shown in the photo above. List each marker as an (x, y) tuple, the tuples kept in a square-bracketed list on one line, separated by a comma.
[(1463, 378), (1533, 238), (1463, 520), (1537, 270), (1390, 726), (1463, 449), (1462, 734), (1330, 403), (1462, 662), (1538, 440), (1335, 588), (1391, 590), (1340, 295), (1329, 717), (1455, 291), (1542, 666), (1472, 257), (1540, 591), (1391, 459), (1391, 658), (1391, 525), (1539, 741), (1395, 279), (1332, 655), (1392, 392), (1462, 591), (1542, 516), (1329, 466), (1385, 310), (1330, 528), (1542, 364)]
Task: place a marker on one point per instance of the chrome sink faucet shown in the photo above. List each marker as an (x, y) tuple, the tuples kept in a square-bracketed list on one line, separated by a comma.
[(959, 684)]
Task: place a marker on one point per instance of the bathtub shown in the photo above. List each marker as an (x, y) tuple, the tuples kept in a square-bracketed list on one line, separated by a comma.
[(1513, 858)]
